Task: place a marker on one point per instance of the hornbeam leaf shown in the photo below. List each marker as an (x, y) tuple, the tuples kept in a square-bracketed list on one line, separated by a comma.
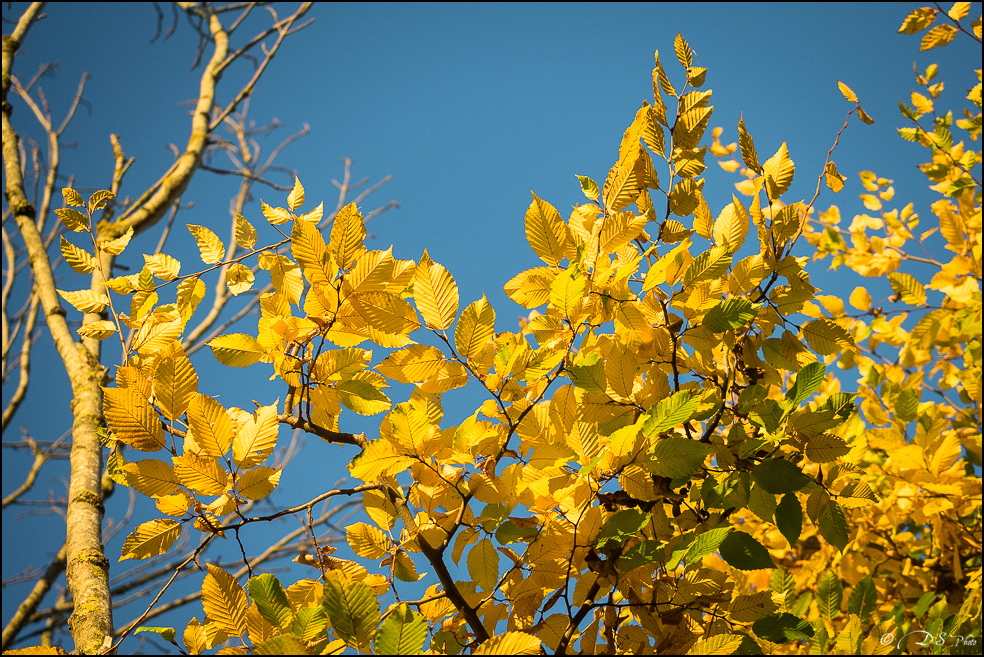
[(271, 600), (151, 539), (743, 552), (402, 633), (210, 246), (225, 602), (730, 314), (435, 293), (78, 259), (546, 231), (510, 643), (352, 609), (236, 349)]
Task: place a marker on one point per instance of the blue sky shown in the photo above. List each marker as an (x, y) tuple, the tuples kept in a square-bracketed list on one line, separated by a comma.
[(469, 108)]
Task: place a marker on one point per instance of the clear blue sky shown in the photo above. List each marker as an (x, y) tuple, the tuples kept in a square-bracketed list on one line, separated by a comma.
[(469, 108)]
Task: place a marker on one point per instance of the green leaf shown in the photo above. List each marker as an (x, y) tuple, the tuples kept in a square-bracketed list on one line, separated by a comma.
[(508, 532), (285, 644), (833, 526), (589, 187), (402, 633), (779, 476), (730, 314), (789, 518), (830, 592), (743, 552), (641, 554), (677, 457), (863, 598), (309, 622), (671, 412), (271, 600), (362, 397), (352, 610), (782, 627), (166, 633), (588, 372), (706, 543), (808, 380), (621, 527)]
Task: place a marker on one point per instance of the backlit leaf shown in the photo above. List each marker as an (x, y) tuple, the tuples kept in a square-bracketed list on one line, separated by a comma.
[(475, 328), (347, 233), (225, 602), (546, 231), (133, 419), (236, 349), (435, 294), (151, 539), (78, 259), (271, 600), (352, 610), (209, 245), (259, 482), (402, 633)]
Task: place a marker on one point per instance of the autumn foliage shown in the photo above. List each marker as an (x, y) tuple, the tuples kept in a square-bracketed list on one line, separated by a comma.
[(684, 447)]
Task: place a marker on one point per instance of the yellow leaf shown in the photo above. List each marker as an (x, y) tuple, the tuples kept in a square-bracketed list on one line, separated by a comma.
[(778, 171), (275, 216), (256, 437), (225, 602), (367, 541), (78, 259), (158, 331), (703, 219), (211, 425), (86, 301), (747, 146), (163, 266), (236, 349), (619, 230), (314, 216), (861, 299), (379, 458), (483, 565), (435, 294), (683, 53), (825, 337), (731, 225), (311, 253), (846, 90), (937, 37), (413, 364), (721, 644), (259, 482), (834, 180), (906, 286), (151, 477), (72, 197), (531, 288), (296, 197), (384, 311), (546, 231), (131, 417), (73, 219), (209, 245), (347, 233), (99, 199), (239, 278), (202, 475), (151, 539), (747, 274), (625, 179), (245, 233), (567, 291), (174, 505), (657, 273), (475, 328), (510, 643), (189, 294), (372, 271), (98, 330), (175, 383), (918, 20), (959, 10), (116, 246)]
